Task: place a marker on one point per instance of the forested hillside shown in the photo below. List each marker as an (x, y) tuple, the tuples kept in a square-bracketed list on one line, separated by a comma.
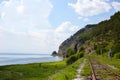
[(100, 38)]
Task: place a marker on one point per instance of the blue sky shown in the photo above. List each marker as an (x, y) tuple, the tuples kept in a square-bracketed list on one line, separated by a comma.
[(40, 26)]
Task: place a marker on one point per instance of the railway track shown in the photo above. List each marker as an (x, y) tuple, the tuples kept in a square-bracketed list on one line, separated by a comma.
[(101, 72)]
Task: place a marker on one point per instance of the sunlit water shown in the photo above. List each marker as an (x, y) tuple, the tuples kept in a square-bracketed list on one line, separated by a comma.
[(8, 59)]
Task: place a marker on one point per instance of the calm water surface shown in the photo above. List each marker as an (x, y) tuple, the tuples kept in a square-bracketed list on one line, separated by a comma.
[(8, 59)]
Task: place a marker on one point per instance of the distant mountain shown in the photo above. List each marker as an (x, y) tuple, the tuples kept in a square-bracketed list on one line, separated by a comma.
[(94, 38)]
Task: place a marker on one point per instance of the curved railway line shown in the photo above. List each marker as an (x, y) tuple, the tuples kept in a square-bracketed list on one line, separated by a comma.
[(101, 71)]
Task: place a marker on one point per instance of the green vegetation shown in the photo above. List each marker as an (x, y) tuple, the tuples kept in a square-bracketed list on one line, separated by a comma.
[(40, 71), (113, 63), (80, 55), (110, 66), (96, 38), (67, 73), (86, 70), (107, 61), (70, 51), (102, 40), (74, 57), (71, 59), (117, 56), (37, 71)]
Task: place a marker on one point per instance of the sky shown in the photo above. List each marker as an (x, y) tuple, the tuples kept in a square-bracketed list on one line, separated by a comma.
[(40, 26)]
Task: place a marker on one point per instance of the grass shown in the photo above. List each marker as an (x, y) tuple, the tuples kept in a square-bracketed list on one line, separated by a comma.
[(67, 73), (36, 71), (52, 70), (86, 69), (103, 60), (112, 62)]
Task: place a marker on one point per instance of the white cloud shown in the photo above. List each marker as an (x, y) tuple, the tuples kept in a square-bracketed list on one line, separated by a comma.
[(20, 9), (116, 5), (3, 15), (23, 15), (67, 27), (22, 25), (25, 27), (87, 8), (86, 19), (64, 31), (45, 40)]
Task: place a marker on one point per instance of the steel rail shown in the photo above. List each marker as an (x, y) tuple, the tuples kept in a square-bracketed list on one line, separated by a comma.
[(93, 75)]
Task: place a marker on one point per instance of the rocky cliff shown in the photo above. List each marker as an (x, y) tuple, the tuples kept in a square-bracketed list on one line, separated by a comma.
[(74, 40), (95, 38)]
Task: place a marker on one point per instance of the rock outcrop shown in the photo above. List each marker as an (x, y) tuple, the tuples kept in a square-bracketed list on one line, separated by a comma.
[(74, 40), (95, 38)]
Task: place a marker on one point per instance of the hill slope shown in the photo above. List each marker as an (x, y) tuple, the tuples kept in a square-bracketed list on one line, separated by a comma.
[(94, 38)]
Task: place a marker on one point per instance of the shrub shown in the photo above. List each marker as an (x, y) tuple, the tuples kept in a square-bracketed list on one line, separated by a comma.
[(71, 59), (98, 51), (116, 48), (80, 55), (117, 55), (81, 48), (70, 52)]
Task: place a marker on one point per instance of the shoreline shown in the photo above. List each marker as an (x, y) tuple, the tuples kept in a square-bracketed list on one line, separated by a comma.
[(17, 60), (30, 63), (31, 71)]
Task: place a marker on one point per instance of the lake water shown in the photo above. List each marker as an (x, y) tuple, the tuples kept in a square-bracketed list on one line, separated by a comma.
[(8, 59)]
